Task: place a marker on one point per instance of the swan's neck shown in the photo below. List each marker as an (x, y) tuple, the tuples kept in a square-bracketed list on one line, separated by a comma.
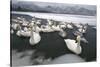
[(34, 30), (79, 43), (78, 40)]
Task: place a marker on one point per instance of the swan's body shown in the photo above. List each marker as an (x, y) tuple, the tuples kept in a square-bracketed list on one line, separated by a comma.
[(69, 26), (24, 24), (35, 38), (14, 20), (78, 25), (26, 29), (11, 31), (38, 22), (62, 33), (73, 46), (46, 28), (49, 22), (25, 32), (18, 33), (56, 28), (59, 28), (63, 26), (14, 26), (82, 30)]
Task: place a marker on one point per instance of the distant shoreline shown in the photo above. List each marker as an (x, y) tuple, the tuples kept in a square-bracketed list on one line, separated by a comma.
[(61, 17)]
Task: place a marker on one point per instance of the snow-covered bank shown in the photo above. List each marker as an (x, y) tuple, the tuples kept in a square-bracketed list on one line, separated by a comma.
[(67, 58), (91, 20)]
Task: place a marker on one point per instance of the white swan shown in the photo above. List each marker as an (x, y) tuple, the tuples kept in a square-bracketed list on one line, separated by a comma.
[(25, 23), (56, 28), (38, 22), (11, 31), (62, 33), (25, 29), (18, 33), (49, 21), (15, 26), (26, 32), (73, 45), (83, 29), (78, 25), (63, 26), (69, 26), (14, 20), (35, 36), (46, 28)]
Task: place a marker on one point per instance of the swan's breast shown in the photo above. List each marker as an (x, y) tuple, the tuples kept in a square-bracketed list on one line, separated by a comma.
[(71, 43), (73, 46), (35, 39), (18, 33)]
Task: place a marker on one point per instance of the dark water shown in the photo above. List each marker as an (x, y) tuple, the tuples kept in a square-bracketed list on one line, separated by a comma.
[(89, 50), (52, 45)]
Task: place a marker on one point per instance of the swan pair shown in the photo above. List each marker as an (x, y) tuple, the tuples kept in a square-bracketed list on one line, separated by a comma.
[(83, 29)]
